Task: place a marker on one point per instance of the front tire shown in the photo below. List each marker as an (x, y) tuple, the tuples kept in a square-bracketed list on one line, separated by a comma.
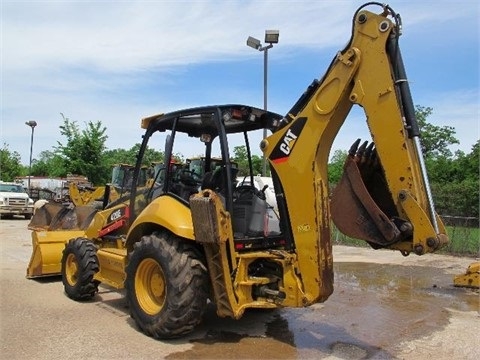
[(79, 266), (166, 285)]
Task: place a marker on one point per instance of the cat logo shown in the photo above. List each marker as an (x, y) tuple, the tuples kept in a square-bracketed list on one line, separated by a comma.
[(285, 146), (283, 149)]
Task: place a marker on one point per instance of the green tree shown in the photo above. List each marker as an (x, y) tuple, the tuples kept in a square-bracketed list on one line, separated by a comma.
[(257, 165), (83, 152), (434, 140), (49, 164), (469, 164), (335, 166), (454, 179), (455, 183), (123, 156), (10, 166), (241, 158), (119, 156)]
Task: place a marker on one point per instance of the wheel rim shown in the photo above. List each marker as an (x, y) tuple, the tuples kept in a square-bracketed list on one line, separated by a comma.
[(71, 269), (150, 286)]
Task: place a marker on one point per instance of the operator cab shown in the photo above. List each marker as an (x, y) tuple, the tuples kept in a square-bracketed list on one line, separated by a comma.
[(214, 132)]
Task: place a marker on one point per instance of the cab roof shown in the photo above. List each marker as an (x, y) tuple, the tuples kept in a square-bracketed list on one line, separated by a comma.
[(196, 121)]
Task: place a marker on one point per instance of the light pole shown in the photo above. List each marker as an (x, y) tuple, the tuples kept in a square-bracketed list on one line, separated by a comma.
[(32, 124), (271, 37)]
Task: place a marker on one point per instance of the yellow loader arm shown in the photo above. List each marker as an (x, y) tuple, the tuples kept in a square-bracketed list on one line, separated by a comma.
[(81, 197), (384, 196)]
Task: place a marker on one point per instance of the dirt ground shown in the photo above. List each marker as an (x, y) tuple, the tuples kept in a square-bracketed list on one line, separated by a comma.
[(385, 306)]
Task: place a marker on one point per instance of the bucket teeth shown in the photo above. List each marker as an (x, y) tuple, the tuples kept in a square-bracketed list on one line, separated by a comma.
[(365, 156), (369, 152), (361, 150), (353, 148), (365, 153)]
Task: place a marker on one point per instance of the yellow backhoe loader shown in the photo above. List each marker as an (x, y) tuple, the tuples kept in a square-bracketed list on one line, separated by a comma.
[(120, 185), (185, 240)]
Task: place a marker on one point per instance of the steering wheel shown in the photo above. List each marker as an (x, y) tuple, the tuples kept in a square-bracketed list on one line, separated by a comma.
[(196, 177), (189, 177)]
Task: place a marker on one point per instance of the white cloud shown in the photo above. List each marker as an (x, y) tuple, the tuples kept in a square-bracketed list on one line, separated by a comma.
[(78, 57), (459, 109), (132, 35), (137, 35)]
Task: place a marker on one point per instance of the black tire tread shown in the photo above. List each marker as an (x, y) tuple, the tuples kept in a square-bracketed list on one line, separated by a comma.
[(187, 285), (86, 255)]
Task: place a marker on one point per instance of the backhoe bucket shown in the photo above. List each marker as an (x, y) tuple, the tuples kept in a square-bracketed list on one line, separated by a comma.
[(361, 200), (53, 225)]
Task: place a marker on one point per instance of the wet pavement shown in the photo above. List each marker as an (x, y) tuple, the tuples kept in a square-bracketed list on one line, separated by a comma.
[(385, 306), (374, 309)]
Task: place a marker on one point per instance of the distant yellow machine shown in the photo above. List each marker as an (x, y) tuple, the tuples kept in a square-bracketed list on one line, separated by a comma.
[(185, 240), (79, 195), (119, 186), (471, 278)]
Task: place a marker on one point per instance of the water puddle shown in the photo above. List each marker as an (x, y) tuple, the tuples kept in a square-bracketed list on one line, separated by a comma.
[(374, 308)]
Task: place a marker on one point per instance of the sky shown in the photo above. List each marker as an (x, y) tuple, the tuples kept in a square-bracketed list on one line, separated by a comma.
[(119, 61)]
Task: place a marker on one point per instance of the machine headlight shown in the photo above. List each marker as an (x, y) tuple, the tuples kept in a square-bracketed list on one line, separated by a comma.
[(30, 201)]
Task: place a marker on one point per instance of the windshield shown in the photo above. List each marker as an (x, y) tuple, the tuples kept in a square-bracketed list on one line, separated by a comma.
[(11, 188)]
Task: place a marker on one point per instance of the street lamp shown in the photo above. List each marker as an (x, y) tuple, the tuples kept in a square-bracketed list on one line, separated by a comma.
[(32, 124), (271, 37)]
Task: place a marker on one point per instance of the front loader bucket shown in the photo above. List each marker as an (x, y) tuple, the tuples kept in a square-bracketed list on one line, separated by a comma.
[(53, 216), (361, 200), (43, 216), (46, 259), (53, 225)]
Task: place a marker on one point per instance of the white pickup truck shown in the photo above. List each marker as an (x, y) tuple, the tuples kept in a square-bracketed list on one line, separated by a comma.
[(14, 201)]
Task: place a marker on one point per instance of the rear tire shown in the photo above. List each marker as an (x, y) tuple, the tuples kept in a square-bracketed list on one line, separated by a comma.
[(79, 266), (166, 285)]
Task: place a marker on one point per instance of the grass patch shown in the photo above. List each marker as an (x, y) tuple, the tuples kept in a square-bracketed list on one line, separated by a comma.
[(464, 241), (340, 239)]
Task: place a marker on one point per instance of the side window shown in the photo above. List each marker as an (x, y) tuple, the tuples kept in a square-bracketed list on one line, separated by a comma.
[(184, 181)]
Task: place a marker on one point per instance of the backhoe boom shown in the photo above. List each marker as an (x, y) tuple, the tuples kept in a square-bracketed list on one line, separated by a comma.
[(383, 197)]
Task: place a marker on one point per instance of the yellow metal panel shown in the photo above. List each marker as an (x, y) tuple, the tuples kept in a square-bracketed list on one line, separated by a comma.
[(167, 212), (309, 209), (112, 266), (145, 121)]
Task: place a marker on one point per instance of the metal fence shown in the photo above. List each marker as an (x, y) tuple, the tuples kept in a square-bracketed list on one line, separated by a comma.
[(468, 222), (463, 232)]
